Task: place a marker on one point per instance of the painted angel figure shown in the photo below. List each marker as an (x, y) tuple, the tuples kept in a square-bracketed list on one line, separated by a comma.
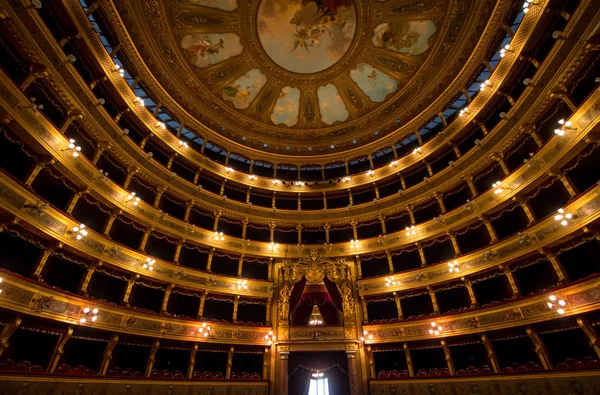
[(200, 48), (396, 36)]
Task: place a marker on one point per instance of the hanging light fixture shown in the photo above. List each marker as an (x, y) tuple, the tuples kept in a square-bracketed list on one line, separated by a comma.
[(564, 126), (366, 337), (354, 243), (270, 337), (273, 246)]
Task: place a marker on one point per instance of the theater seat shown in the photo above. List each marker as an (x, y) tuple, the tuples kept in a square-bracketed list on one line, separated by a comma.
[(593, 364), (77, 371), (62, 370), (21, 367), (255, 376), (521, 369), (562, 366), (422, 373), (461, 372), (402, 374), (434, 373), (535, 368), (114, 373), (178, 376), (507, 369), (207, 376), (7, 364), (474, 372), (126, 373), (89, 372), (577, 365), (444, 373), (166, 375), (392, 374), (571, 361), (586, 360), (235, 376), (36, 369), (197, 375), (486, 371), (245, 376), (382, 375), (219, 376)]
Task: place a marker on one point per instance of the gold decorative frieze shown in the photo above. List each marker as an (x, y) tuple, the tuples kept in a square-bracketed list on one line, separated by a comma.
[(34, 299)]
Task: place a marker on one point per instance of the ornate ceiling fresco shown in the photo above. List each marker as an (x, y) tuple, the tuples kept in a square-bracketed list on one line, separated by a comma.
[(305, 77)]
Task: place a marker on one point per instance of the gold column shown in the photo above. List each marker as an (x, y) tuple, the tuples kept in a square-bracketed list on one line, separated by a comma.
[(567, 182), (398, 305), (411, 214), (354, 232), (469, 180), (469, 287), (421, 253), (365, 311), (324, 201), (229, 362), (7, 332), (265, 369), (456, 149), (99, 151), (490, 228), (36, 71), (201, 305), (500, 159), (381, 219), (270, 270), (327, 227), (40, 164), (128, 289), (351, 201), (273, 200), (352, 372), (178, 251), (454, 243), (283, 372), (561, 273), (390, 262), (376, 190), (217, 215), (434, 302), (159, 192), (589, 332), (409, 364), (526, 208), (152, 357), (131, 171), (532, 131), (440, 200), (188, 209), (370, 161), (41, 263), (222, 190), (248, 193), (489, 347), (268, 311), (144, 239), (236, 303), (299, 229), (192, 361), (74, 199), (511, 280), (245, 223), (358, 266), (402, 182), (272, 227), (88, 277), (299, 201), (166, 296), (448, 357), (540, 348), (369, 356), (209, 259), (59, 349), (429, 169), (564, 96), (110, 220), (107, 355), (240, 265)]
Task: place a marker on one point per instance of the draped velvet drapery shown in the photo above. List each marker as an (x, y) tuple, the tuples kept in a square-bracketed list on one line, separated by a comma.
[(334, 293), (296, 295), (322, 300), (334, 365)]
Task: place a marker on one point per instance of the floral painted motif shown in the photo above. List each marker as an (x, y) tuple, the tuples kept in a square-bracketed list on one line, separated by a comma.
[(243, 90), (306, 36), (405, 37), (331, 105), (287, 107), (207, 49), (374, 83)]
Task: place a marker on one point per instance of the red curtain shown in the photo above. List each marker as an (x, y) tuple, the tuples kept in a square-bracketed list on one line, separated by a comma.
[(296, 295), (301, 315), (329, 313), (334, 294)]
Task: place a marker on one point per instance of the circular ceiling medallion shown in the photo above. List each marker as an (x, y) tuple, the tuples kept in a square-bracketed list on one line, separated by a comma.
[(306, 36)]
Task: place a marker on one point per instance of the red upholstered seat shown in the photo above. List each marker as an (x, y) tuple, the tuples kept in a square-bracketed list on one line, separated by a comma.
[(577, 365), (529, 364), (118, 369), (166, 375), (178, 376), (89, 372), (235, 376), (593, 364), (508, 369), (521, 369), (207, 376), (219, 376), (461, 372), (586, 360), (245, 376), (402, 374), (434, 373), (62, 370), (422, 373), (474, 372), (21, 367), (114, 373), (392, 374), (562, 366), (36, 369), (486, 371), (535, 368), (126, 373), (444, 373), (571, 361), (7, 364), (197, 375), (255, 376)]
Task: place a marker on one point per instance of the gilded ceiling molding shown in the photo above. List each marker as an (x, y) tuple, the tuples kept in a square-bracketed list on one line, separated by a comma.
[(128, 46), (34, 299)]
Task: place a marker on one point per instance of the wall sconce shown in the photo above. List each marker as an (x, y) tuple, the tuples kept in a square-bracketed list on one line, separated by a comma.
[(527, 5), (120, 70), (453, 266), (270, 338), (138, 100), (564, 126), (366, 337), (276, 182), (498, 188), (161, 125), (149, 264), (79, 231), (557, 304), (505, 50), (132, 199), (410, 230), (563, 217), (484, 85), (346, 179), (73, 147), (71, 58), (204, 329), (417, 151), (370, 173), (463, 111), (90, 314), (435, 329), (242, 285), (273, 246), (300, 183), (393, 163), (252, 177), (35, 107), (391, 281), (354, 243), (183, 144), (1, 283), (229, 170), (218, 236)]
